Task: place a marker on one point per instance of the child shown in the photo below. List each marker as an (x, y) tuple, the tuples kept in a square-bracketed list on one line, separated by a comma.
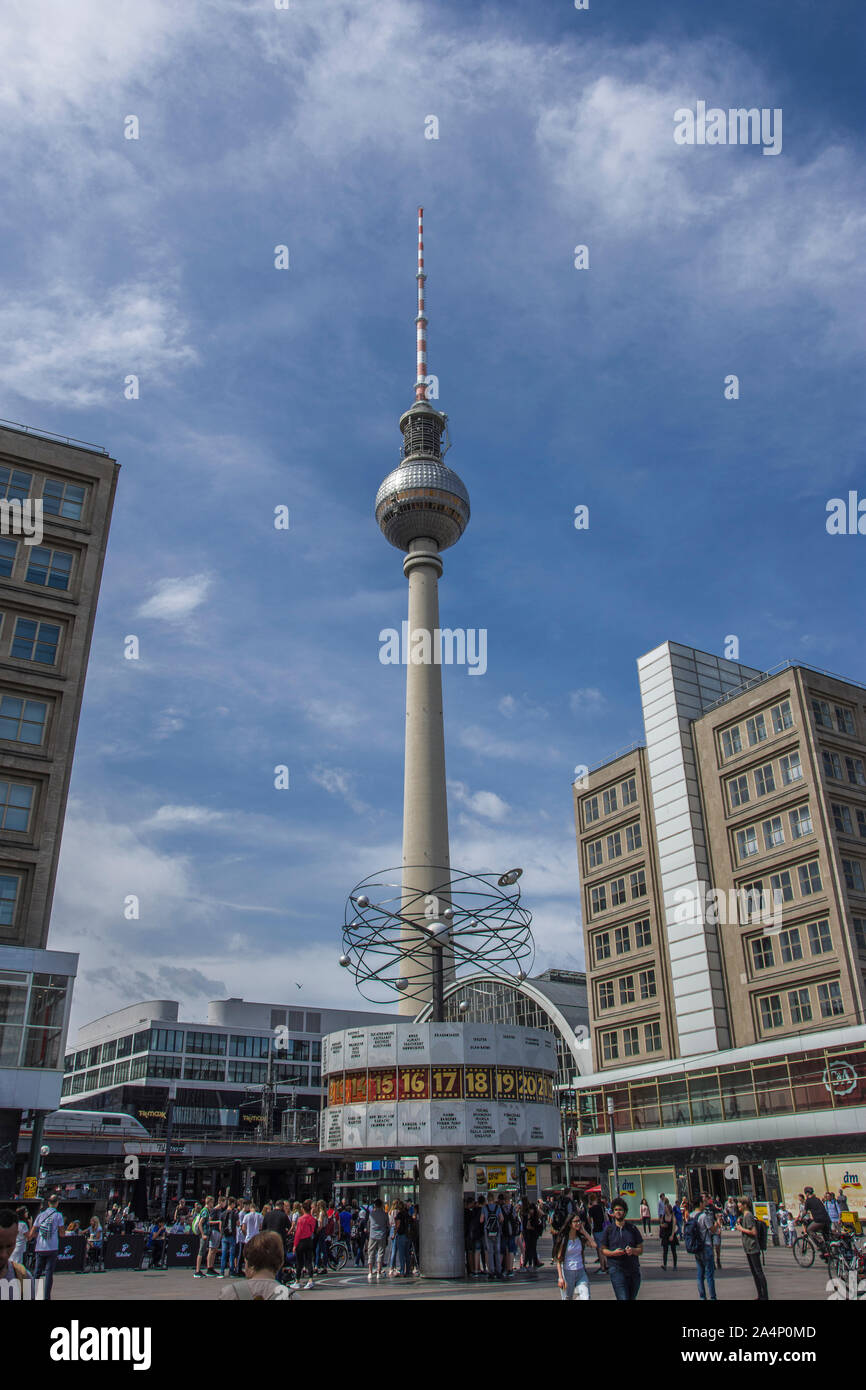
[(264, 1256)]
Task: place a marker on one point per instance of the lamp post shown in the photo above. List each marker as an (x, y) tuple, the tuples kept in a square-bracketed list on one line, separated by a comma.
[(166, 1162), (613, 1145)]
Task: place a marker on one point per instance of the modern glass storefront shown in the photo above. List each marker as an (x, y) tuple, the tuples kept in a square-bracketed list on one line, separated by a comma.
[(802, 1083)]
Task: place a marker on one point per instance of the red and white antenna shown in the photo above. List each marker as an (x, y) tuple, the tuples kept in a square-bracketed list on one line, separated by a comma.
[(421, 318)]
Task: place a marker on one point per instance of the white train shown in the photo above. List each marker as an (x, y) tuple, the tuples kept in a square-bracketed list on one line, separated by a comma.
[(64, 1124)]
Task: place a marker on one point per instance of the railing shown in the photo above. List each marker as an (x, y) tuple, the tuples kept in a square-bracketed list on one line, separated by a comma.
[(775, 671), (620, 753), (49, 434)]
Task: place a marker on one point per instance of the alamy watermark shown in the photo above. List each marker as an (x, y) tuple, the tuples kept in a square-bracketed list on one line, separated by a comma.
[(19, 518), (441, 646), (736, 126), (731, 907)]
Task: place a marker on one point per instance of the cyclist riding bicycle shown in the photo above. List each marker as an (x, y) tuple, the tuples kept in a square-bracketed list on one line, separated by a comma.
[(816, 1219)]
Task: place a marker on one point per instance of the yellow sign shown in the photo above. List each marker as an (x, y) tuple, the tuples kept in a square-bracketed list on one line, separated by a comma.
[(31, 1187)]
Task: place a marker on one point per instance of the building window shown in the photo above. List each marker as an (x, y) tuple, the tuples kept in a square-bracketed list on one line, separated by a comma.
[(855, 771), (810, 878), (800, 1005), (121, 1073), (771, 1012), (762, 953), (602, 946), (594, 853), (622, 937), (590, 810), (598, 899), (631, 1044), (652, 1035), (137, 1068), (248, 1073), (609, 1047), (765, 781), (782, 889), (732, 744), (63, 499), (22, 720), (166, 1040), (821, 711), (16, 802), (109, 1052), (164, 1067), (801, 822), (774, 835), (782, 717), (617, 892), (756, 729), (626, 989), (642, 933), (605, 995), (830, 999), (842, 818), (747, 842), (751, 899), (14, 483), (790, 945), (844, 719), (647, 981), (629, 792), (124, 1045), (832, 765), (792, 770), (738, 791), (820, 941), (240, 1046), (861, 823), (609, 800), (206, 1042), (8, 551), (49, 567), (853, 871), (614, 845), (860, 934), (633, 837), (638, 884), (33, 641), (203, 1069)]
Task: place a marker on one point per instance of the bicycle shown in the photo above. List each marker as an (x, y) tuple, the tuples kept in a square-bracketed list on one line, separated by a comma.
[(804, 1247), (338, 1255)]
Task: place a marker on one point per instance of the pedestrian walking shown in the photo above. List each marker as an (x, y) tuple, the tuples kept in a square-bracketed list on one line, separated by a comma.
[(645, 1216), (491, 1215), (531, 1233), (698, 1235), (749, 1228), (668, 1235), (568, 1258), (509, 1229), (475, 1236), (46, 1232), (377, 1240), (304, 1241), (622, 1247)]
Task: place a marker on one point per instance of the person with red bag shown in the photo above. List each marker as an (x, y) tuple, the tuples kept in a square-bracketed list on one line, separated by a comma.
[(304, 1243)]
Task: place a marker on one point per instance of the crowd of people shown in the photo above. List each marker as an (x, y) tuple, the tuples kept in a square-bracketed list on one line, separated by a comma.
[(284, 1245)]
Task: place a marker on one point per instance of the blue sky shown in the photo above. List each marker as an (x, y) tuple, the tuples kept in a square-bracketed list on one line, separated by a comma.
[(305, 127)]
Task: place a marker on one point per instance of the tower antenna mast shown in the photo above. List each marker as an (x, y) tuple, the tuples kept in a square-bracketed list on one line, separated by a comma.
[(421, 318)]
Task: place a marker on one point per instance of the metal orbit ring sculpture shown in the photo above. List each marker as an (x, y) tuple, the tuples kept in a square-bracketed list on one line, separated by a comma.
[(481, 926)]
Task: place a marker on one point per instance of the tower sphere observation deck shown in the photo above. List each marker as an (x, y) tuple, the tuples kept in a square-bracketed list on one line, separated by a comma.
[(422, 499)]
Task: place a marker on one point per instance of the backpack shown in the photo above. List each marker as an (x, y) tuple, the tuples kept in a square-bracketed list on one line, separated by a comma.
[(509, 1222), (761, 1234), (491, 1220), (694, 1236)]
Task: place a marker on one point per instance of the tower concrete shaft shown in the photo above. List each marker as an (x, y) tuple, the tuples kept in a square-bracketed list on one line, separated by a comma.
[(425, 804)]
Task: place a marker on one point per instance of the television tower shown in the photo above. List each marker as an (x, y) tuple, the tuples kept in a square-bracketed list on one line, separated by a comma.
[(422, 508)]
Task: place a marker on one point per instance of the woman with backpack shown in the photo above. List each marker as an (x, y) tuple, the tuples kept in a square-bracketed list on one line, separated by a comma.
[(532, 1225), (568, 1248), (668, 1234), (754, 1233)]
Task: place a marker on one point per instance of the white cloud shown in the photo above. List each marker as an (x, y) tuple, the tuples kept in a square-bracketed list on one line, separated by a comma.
[(187, 817), (70, 346), (173, 600), (338, 782), (587, 700), (485, 804)]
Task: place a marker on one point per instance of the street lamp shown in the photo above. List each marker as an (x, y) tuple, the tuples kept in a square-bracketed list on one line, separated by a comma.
[(613, 1145)]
